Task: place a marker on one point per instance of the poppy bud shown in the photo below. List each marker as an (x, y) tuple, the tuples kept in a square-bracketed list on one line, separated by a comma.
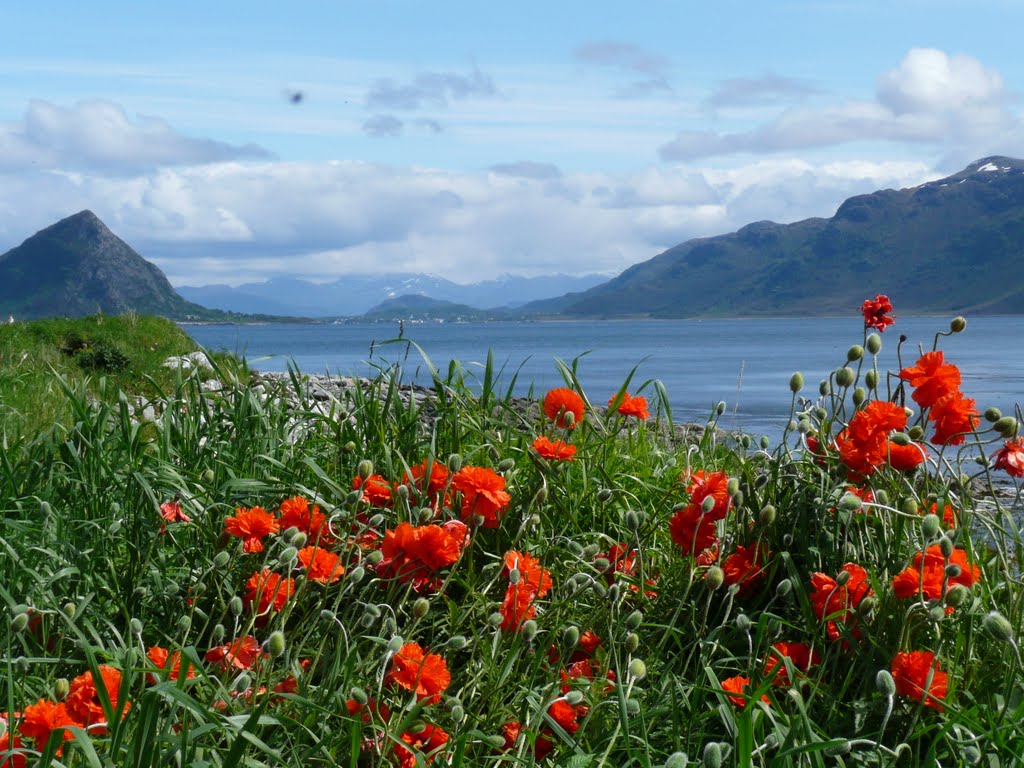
[(1006, 426), (845, 376), (495, 619), (114, 527), (677, 760), (804, 426), (604, 494), (796, 382), (873, 343), (299, 539), (135, 626), (458, 713), (715, 577), (576, 548), (185, 623), (235, 605), (993, 414), (632, 642), (743, 622), (937, 613), (506, 464), (242, 683), (454, 462), (930, 526), (737, 498), (395, 644), (767, 515), (998, 627), (854, 353), (590, 550), (328, 615), (745, 441), (19, 622), (218, 633), (632, 520), (599, 589), (356, 574), (420, 607), (529, 629), (540, 496), (288, 554), (45, 510), (572, 698), (871, 379), (900, 438), (707, 505), (457, 642), (731, 487), (840, 748), (842, 578), (824, 387), (884, 683), (374, 557), (720, 408), (353, 496), (402, 491), (349, 447), (765, 442), (570, 637), (712, 756), (602, 564), (784, 587), (953, 570), (61, 688), (569, 419), (957, 324), (946, 546), (881, 497), (614, 593), (637, 669), (634, 619), (916, 432), (851, 502), (910, 506), (956, 595), (791, 425), (364, 469), (372, 609), (276, 644)]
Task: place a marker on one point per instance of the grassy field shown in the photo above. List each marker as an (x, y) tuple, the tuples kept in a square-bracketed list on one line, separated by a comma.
[(245, 577)]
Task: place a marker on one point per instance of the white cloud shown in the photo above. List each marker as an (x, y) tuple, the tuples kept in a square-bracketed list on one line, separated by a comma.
[(237, 222), (99, 136)]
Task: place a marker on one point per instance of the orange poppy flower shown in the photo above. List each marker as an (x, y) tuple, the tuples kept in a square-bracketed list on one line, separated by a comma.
[(801, 656), (41, 720), (836, 604), (169, 662), (692, 530), (927, 574), (416, 553), (295, 513), (423, 745), (429, 478), (911, 671), (251, 525), (906, 458), (9, 756), (483, 495), (531, 573), (746, 567), (517, 607), (83, 703), (321, 565), (565, 714), (268, 591), (876, 312), (376, 490), (948, 515), (425, 674), (864, 444), (171, 512), (562, 401), (736, 690), (931, 378), (953, 416), (631, 406), (240, 653), (554, 450), (1010, 458), (714, 484)]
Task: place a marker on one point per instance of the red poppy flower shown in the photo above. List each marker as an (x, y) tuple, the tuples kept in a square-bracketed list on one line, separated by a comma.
[(948, 515), (692, 530), (746, 567), (931, 378), (9, 756), (171, 512), (1010, 458), (428, 477), (268, 591), (376, 490), (251, 525), (927, 574), (240, 653), (83, 703), (864, 444), (911, 672), (562, 401), (517, 607), (710, 484), (40, 720), (169, 662), (876, 312), (631, 406), (295, 513), (416, 554), (801, 657), (554, 450), (565, 714), (736, 691), (425, 674), (321, 565), (483, 495), (953, 416), (906, 458), (531, 573), (423, 745), (836, 605)]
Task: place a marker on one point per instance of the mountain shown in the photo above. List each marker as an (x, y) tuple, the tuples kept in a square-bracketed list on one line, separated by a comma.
[(79, 267), (356, 294), (416, 308), (952, 245)]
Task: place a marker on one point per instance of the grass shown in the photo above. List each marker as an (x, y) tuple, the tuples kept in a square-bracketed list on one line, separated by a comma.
[(641, 652)]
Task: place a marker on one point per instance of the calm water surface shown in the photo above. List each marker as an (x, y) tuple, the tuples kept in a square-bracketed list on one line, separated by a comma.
[(746, 363)]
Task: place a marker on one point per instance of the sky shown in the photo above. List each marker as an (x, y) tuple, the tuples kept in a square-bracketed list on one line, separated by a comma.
[(234, 142)]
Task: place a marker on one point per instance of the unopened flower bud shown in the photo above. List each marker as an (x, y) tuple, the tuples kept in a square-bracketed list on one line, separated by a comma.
[(804, 427), (930, 526), (540, 496), (328, 615), (634, 619), (218, 632), (395, 644), (916, 432), (731, 487), (569, 419), (61, 688), (529, 629), (884, 683), (374, 557), (357, 574), (114, 528), (854, 353), (998, 627), (458, 713), (993, 414), (221, 559), (19, 622), (420, 607), (707, 505), (570, 637), (845, 377), (604, 494), (953, 570), (573, 698), (349, 447), (632, 642), (783, 588), (514, 576), (288, 555), (946, 547), (859, 396), (937, 613), (457, 642), (851, 502), (720, 408), (677, 760), (495, 619), (956, 595), (637, 669), (235, 605), (184, 624), (910, 506), (958, 324), (298, 540), (632, 520), (743, 622), (358, 695), (867, 606), (871, 379), (276, 644), (242, 683), (602, 564), (767, 515), (842, 578), (506, 464), (1006, 426), (599, 589), (824, 387), (715, 577), (712, 755), (839, 749), (873, 343), (765, 442), (900, 438), (136, 627), (364, 469), (796, 382), (970, 754), (454, 462), (590, 550)]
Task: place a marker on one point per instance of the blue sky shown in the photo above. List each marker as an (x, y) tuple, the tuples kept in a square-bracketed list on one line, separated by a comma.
[(474, 139)]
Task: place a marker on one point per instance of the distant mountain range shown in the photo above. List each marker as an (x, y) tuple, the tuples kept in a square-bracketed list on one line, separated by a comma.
[(952, 245), (357, 294)]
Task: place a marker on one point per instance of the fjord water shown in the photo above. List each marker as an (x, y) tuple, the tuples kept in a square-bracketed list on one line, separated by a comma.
[(747, 363)]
